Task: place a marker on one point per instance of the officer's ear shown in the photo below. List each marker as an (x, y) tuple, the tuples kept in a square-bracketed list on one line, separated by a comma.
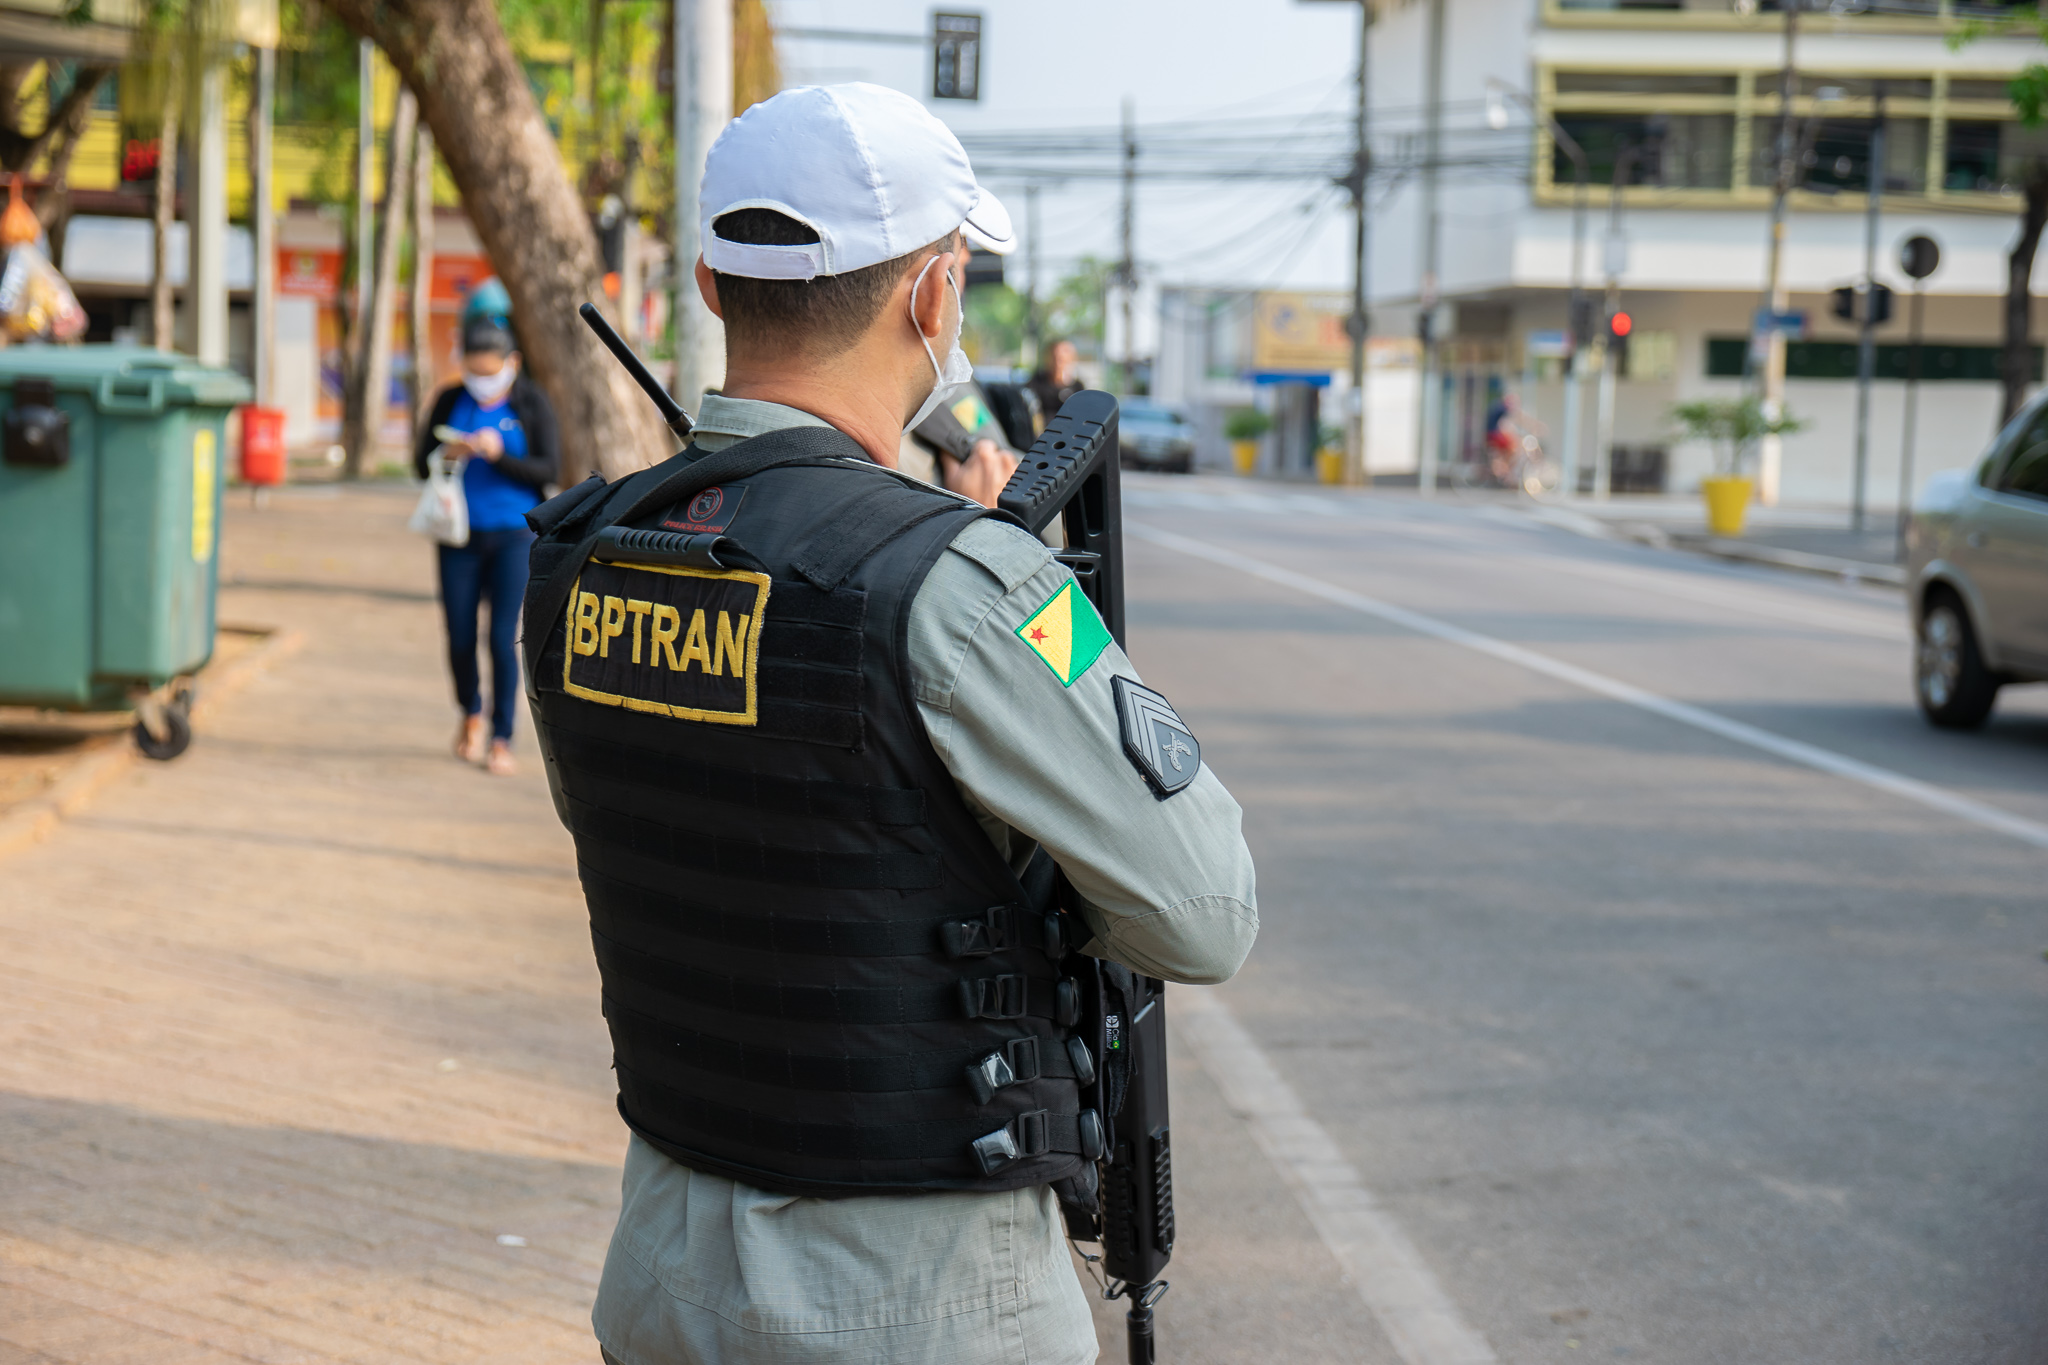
[(707, 289), (928, 306)]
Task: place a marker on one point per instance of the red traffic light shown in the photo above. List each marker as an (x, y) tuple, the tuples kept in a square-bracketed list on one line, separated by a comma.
[(1620, 324)]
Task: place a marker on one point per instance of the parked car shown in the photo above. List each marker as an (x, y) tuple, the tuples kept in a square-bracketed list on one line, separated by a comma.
[(1153, 436), (1977, 553)]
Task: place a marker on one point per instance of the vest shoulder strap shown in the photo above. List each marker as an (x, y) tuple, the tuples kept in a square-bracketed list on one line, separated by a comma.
[(676, 480)]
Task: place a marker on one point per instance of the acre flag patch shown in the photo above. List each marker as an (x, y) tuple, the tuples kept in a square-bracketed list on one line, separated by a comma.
[(1066, 633)]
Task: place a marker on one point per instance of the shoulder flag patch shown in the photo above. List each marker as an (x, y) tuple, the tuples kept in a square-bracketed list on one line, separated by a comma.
[(1156, 740), (1066, 633)]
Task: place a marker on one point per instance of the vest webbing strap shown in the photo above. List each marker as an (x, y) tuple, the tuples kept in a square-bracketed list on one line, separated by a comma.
[(674, 480), (873, 518), (737, 787), (749, 860), (668, 913), (940, 1138), (672, 979), (660, 1050)]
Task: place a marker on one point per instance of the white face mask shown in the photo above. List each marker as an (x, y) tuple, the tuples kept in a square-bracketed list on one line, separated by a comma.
[(958, 369), (487, 389)]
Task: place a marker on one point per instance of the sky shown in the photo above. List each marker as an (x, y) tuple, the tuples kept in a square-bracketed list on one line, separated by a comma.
[(1063, 64)]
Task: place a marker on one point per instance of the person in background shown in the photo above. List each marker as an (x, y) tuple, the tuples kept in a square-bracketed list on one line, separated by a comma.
[(961, 447), (507, 431), (1058, 379)]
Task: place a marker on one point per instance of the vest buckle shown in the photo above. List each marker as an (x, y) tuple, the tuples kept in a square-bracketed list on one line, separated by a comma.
[(1025, 1135), (978, 937), (994, 997), (1014, 1063)]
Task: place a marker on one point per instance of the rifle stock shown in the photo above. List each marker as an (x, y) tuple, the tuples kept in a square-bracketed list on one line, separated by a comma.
[(1070, 473)]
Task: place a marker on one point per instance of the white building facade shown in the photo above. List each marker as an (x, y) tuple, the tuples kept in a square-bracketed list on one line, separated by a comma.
[(1684, 98)]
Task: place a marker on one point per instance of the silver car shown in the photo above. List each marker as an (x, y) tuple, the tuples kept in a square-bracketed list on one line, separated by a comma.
[(1977, 552)]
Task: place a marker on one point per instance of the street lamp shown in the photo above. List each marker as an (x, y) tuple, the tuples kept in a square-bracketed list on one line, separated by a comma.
[(1498, 93)]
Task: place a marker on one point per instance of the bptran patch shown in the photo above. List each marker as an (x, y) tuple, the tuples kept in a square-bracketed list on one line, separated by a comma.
[(672, 641), (1157, 741)]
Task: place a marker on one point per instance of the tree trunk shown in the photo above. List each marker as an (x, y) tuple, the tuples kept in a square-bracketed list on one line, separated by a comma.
[(367, 395), (162, 301), (474, 96), (425, 368), (61, 135), (2016, 364)]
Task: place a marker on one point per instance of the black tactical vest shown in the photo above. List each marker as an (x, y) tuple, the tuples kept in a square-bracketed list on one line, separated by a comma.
[(819, 976)]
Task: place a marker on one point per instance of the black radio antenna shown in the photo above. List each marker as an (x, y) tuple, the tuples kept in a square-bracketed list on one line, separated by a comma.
[(671, 411)]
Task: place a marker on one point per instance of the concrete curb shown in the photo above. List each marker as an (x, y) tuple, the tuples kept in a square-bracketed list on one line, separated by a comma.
[(1832, 565), (34, 821)]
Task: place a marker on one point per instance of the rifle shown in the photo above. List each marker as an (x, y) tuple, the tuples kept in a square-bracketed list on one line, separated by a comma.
[(1125, 1202)]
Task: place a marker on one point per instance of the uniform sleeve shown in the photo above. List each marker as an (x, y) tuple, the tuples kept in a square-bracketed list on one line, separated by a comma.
[(1167, 885)]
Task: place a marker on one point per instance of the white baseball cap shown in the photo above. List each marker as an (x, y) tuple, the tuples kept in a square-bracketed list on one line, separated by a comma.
[(869, 169)]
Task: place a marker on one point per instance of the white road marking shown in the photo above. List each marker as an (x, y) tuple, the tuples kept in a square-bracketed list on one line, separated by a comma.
[(1383, 1265), (1792, 750)]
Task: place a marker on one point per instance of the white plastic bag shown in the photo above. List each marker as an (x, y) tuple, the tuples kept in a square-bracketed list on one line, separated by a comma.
[(442, 513)]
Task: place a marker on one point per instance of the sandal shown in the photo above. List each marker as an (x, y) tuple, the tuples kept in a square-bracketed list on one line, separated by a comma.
[(500, 763)]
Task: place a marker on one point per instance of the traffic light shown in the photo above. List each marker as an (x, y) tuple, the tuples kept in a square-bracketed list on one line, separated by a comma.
[(1844, 304), (1619, 325)]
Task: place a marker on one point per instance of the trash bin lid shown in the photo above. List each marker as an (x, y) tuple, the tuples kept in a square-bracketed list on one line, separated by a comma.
[(128, 380)]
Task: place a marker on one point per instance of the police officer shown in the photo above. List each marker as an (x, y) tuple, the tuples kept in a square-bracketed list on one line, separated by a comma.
[(814, 762)]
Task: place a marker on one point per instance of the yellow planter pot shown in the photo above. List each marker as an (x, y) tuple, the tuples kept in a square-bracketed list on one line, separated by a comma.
[(1727, 504), (1330, 466), (1245, 455)]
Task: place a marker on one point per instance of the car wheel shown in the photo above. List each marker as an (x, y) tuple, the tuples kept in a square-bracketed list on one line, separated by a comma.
[(1955, 689)]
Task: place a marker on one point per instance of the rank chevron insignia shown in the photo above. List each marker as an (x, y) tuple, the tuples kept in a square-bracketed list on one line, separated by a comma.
[(1066, 633), (1157, 741)]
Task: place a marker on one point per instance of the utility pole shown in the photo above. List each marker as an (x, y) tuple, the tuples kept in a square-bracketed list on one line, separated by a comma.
[(1777, 297), (1033, 330), (1359, 324), (366, 134), (1428, 412), (206, 219), (1127, 269), (1866, 330), (1614, 260), (263, 228), (703, 106)]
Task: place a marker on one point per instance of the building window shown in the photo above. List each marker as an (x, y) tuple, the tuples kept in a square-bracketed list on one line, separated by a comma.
[(1706, 133), (1677, 151), (1839, 158), (1837, 360)]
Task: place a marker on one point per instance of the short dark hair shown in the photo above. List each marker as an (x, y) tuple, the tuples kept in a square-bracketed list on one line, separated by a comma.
[(823, 315)]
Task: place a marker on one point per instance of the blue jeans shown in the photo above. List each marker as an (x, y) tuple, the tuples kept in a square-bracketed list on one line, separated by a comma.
[(492, 566)]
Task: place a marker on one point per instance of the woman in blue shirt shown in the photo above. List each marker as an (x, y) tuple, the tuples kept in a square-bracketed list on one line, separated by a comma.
[(508, 433)]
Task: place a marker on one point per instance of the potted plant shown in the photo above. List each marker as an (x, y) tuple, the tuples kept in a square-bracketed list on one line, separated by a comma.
[(1731, 427), (1243, 428), (1330, 454)]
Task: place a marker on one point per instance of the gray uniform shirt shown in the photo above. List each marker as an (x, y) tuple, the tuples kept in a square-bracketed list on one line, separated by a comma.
[(706, 1269)]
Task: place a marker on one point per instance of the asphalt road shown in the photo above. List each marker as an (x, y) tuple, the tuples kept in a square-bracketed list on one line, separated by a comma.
[(1657, 1046)]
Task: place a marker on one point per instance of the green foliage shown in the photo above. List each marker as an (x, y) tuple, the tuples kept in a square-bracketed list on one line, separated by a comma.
[(1731, 426), (1246, 424), (2029, 89), (994, 334), (1078, 309), (317, 95)]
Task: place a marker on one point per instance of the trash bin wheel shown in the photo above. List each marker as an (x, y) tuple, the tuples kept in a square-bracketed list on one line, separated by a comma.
[(176, 717)]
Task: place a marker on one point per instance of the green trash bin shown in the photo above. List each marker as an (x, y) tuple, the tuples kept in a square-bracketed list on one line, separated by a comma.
[(111, 461)]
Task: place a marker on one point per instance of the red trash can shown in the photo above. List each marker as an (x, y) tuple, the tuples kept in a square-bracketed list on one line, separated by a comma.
[(262, 445)]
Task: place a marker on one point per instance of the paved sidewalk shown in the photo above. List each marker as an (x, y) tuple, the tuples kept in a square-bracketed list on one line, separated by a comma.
[(294, 1028), (297, 1030)]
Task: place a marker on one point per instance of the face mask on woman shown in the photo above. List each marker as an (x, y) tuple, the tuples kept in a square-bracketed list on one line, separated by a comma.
[(487, 389)]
